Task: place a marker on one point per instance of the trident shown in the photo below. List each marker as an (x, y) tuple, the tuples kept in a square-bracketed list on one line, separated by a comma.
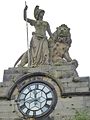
[(27, 38)]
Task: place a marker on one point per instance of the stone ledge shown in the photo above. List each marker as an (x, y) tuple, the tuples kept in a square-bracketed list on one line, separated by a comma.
[(56, 71)]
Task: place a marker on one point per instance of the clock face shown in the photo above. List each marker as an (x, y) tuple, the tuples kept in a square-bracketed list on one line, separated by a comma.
[(37, 99)]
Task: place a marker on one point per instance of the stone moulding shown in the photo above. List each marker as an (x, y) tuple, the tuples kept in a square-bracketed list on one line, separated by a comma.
[(29, 75)]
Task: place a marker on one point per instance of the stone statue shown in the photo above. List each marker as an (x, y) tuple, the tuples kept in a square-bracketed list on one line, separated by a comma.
[(39, 52), (59, 45), (43, 51), (59, 48)]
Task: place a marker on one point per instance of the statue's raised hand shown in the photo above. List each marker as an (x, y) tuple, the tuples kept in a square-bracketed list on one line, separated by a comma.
[(26, 7)]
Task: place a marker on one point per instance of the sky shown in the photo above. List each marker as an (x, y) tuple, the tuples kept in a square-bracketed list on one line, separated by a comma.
[(13, 40)]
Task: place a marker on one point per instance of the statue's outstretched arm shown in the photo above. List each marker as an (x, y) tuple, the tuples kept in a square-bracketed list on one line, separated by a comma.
[(32, 22)]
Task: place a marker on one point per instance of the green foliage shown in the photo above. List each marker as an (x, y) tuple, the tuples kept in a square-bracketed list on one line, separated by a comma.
[(81, 115)]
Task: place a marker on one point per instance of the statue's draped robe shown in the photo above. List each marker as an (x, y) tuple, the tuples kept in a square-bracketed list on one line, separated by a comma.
[(39, 51)]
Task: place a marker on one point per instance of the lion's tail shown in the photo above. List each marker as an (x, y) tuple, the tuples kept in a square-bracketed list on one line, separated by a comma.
[(18, 60)]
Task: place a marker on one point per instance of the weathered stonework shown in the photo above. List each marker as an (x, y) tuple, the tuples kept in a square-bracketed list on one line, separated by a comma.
[(50, 71), (74, 93)]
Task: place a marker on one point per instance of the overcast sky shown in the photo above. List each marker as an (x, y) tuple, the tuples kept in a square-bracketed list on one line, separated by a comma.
[(74, 13)]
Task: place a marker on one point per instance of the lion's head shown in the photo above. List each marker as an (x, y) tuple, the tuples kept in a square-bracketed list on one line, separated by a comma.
[(62, 34), (63, 31)]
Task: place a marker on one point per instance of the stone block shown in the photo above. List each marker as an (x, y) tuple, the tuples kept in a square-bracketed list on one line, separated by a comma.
[(73, 85), (67, 90), (66, 80), (82, 89)]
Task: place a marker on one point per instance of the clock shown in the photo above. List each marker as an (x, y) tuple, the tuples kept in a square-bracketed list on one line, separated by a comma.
[(37, 99)]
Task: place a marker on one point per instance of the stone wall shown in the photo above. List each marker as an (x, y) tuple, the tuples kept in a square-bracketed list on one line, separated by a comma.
[(75, 94)]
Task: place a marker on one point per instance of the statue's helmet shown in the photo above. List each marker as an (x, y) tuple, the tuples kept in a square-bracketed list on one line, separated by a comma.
[(37, 11)]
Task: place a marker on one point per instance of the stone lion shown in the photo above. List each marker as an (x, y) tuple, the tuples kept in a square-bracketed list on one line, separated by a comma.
[(59, 46)]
